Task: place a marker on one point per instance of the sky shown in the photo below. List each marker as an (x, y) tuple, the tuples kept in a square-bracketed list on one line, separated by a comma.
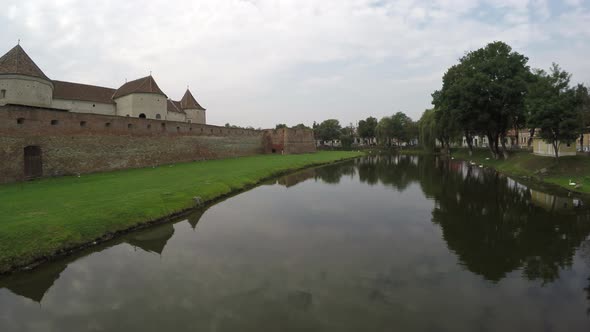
[(262, 62)]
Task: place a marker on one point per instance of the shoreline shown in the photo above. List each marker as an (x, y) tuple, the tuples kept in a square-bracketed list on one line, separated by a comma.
[(30, 264), (512, 168)]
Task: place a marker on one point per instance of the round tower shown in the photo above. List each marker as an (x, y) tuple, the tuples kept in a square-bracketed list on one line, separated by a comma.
[(22, 82)]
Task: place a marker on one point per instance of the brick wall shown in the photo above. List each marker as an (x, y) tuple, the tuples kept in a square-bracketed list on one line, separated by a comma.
[(289, 141), (77, 143)]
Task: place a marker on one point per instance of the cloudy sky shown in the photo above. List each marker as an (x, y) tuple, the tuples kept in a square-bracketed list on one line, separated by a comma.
[(262, 62)]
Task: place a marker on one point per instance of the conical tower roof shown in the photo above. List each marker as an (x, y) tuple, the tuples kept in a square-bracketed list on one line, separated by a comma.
[(142, 85), (18, 62), (188, 101)]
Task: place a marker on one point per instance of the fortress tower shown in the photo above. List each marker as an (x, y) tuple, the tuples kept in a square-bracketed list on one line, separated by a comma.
[(141, 98), (22, 82), (195, 113)]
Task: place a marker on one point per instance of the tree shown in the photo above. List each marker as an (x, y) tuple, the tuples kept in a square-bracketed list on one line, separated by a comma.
[(367, 128), (583, 102), (300, 126), (347, 136), (280, 126), (427, 130), (402, 127), (484, 94), (551, 106), (328, 130), (384, 131)]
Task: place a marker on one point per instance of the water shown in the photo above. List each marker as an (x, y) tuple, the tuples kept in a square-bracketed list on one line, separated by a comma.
[(379, 244)]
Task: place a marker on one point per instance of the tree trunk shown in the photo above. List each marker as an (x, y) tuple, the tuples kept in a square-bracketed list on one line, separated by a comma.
[(532, 134), (469, 139), (491, 145), (556, 149), (504, 150)]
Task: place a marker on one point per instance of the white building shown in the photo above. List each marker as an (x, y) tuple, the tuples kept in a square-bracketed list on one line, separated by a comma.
[(22, 82)]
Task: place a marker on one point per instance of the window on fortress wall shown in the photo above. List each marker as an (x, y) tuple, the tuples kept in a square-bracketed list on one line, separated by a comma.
[(82, 123), (108, 124), (142, 116), (178, 129), (20, 120), (2, 94), (54, 122), (129, 126), (158, 116)]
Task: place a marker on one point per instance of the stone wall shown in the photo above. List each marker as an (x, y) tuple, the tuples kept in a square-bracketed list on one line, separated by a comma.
[(78, 143), (289, 141)]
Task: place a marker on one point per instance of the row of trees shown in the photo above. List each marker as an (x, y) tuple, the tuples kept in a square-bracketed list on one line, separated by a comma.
[(493, 90), (389, 131)]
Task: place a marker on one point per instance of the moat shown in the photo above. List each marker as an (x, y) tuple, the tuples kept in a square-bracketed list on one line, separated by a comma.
[(383, 243)]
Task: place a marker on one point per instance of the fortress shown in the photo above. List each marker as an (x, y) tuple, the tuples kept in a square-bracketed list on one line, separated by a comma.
[(22, 82), (55, 128)]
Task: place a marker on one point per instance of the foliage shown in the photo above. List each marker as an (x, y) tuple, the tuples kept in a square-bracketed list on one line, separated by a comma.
[(328, 130), (41, 217), (280, 126), (484, 94), (427, 130), (552, 106), (300, 126), (367, 128)]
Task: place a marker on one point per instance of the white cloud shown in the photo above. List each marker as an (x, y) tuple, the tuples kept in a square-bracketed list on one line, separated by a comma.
[(262, 62)]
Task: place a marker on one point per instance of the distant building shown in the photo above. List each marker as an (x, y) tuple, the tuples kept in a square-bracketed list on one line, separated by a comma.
[(542, 148), (22, 82)]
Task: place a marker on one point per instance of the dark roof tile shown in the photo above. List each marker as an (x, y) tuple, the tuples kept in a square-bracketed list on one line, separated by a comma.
[(84, 92), (142, 85), (17, 61), (189, 102)]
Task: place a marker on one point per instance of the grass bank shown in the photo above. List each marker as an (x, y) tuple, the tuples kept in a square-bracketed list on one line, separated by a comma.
[(42, 218), (545, 169)]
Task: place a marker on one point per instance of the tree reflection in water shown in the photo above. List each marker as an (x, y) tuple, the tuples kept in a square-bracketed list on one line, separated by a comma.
[(494, 225)]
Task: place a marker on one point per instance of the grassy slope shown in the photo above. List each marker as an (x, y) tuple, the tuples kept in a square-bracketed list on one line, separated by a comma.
[(37, 218), (523, 163)]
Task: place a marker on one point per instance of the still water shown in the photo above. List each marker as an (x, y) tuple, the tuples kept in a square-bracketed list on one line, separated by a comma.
[(387, 243)]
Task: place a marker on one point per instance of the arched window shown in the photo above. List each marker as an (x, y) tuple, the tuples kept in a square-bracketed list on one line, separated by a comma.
[(158, 116), (142, 116)]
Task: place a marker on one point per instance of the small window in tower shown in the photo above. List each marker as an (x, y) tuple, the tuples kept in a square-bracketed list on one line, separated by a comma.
[(178, 129), (158, 116), (108, 124), (82, 123), (20, 120), (54, 122), (93, 105), (149, 126), (163, 126), (190, 128), (129, 126), (2, 94)]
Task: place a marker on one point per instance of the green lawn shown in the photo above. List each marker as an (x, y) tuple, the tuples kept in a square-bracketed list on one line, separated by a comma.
[(575, 168), (40, 217)]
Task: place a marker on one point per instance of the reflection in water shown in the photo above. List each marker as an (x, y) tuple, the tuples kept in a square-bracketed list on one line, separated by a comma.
[(379, 252), (35, 284)]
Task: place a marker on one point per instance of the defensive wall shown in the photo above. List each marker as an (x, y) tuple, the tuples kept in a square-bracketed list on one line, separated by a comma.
[(37, 142)]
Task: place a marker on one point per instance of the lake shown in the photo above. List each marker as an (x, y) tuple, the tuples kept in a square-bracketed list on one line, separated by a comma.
[(381, 243)]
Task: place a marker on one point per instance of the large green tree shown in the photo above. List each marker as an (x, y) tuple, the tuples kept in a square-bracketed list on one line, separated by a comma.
[(484, 94), (553, 107)]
